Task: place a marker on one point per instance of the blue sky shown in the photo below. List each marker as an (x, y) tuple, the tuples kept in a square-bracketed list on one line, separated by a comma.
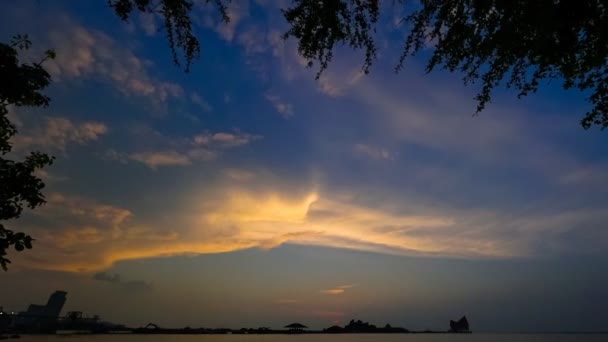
[(246, 193)]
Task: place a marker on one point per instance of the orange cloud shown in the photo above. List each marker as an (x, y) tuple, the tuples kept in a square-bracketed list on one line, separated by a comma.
[(339, 289), (77, 234), (333, 291)]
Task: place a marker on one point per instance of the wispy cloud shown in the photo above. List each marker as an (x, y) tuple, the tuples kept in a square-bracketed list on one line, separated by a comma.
[(253, 41), (373, 152), (156, 159), (588, 175), (237, 10), (199, 101), (148, 22), (129, 285), (333, 291), (164, 158), (285, 109), (225, 139), (202, 147), (57, 133), (338, 289), (84, 52), (48, 177), (328, 88)]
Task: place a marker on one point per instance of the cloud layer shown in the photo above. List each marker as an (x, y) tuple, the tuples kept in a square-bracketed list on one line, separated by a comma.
[(57, 133), (77, 234)]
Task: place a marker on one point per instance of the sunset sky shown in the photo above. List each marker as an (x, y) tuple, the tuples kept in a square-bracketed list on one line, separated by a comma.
[(246, 193)]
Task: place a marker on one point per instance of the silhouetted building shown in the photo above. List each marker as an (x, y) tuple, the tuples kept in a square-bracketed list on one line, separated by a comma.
[(55, 304), (296, 328), (42, 318), (460, 326)]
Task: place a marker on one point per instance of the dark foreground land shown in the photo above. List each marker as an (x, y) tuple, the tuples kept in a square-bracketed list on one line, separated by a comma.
[(93, 327)]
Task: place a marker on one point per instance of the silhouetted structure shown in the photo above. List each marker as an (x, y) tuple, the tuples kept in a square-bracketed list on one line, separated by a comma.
[(296, 328), (460, 326), (77, 321), (5, 320), (42, 318)]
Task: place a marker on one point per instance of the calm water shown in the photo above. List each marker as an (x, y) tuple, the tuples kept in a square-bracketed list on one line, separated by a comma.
[(326, 338)]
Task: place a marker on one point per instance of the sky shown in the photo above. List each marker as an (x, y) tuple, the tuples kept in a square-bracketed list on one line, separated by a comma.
[(246, 193)]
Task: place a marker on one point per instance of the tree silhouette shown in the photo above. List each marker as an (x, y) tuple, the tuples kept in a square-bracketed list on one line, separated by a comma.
[(176, 20), (20, 85), (517, 43)]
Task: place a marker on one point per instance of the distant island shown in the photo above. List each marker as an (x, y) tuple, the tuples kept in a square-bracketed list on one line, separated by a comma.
[(358, 326), (46, 319), (353, 327)]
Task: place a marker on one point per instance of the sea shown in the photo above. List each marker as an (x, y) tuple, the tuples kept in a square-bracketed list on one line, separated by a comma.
[(327, 338)]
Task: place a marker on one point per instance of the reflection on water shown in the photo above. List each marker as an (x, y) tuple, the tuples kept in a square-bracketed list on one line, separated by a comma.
[(329, 338)]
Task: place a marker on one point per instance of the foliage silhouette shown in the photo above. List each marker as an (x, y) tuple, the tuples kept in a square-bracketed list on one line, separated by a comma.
[(513, 42), (176, 20), (360, 327), (20, 85)]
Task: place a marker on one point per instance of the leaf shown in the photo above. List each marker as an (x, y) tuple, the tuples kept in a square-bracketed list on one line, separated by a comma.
[(50, 54)]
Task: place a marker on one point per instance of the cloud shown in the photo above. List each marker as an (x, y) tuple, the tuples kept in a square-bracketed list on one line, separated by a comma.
[(129, 285), (48, 177), (262, 44), (57, 133), (155, 159), (202, 147), (103, 276), (289, 64), (373, 152), (225, 139), (237, 10), (340, 80), (283, 108), (333, 291), (90, 53), (589, 175), (439, 119), (147, 22), (338, 290), (199, 101), (76, 234), (328, 88), (253, 41)]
